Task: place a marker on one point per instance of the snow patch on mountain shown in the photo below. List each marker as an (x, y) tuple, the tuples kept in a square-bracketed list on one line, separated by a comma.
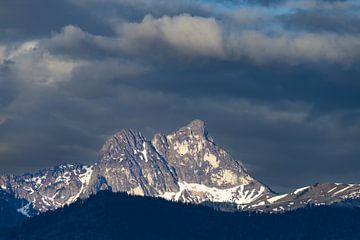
[(144, 152), (24, 210), (277, 198), (84, 179), (190, 192), (301, 189)]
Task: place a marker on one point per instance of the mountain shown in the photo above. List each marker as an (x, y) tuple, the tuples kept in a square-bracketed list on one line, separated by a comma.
[(340, 194), (317, 194), (186, 166), (108, 215), (45, 190)]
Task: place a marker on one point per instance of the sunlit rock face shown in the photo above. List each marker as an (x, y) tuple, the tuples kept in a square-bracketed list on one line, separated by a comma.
[(130, 163), (205, 171), (197, 159)]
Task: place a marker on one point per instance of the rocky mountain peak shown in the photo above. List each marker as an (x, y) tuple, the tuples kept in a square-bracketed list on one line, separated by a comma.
[(129, 137), (205, 171), (125, 142), (130, 163), (196, 128)]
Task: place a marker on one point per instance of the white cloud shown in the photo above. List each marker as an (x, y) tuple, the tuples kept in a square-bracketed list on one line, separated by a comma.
[(189, 35), (197, 36), (288, 47), (33, 63), (72, 38)]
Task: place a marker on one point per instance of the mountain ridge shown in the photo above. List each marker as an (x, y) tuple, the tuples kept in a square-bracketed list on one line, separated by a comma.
[(185, 165)]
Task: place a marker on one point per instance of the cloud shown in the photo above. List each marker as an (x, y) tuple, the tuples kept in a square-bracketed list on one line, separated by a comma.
[(179, 35), (183, 36), (287, 47), (323, 20), (186, 34), (21, 19), (249, 17), (135, 10), (276, 83), (2, 120), (75, 43), (31, 62), (2, 53)]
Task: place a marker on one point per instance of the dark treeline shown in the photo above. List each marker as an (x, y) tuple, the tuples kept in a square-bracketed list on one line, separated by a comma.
[(119, 216), (8, 215)]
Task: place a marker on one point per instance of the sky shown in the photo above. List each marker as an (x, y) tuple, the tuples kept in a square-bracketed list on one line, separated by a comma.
[(276, 81)]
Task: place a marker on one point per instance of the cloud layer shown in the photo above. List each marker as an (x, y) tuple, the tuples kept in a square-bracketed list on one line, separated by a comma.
[(276, 81)]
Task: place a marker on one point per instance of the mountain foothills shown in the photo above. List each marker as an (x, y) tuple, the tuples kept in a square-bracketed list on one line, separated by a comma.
[(185, 166)]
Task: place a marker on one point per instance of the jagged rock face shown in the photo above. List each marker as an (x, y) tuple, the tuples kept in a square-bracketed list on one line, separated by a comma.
[(48, 189), (184, 166), (205, 171), (196, 158), (130, 163)]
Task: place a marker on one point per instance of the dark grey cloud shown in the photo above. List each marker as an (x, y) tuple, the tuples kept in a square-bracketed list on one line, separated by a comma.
[(7, 87), (282, 96), (268, 2), (323, 20), (135, 10), (255, 2), (28, 19)]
